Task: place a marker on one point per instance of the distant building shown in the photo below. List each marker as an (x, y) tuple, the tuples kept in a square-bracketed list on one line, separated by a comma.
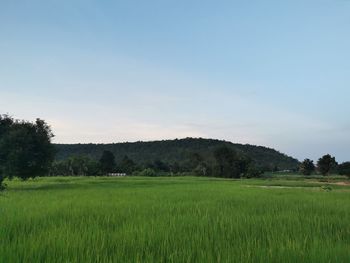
[(116, 174)]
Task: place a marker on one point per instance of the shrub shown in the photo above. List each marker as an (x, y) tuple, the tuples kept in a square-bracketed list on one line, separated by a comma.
[(148, 172), (2, 186), (326, 188), (344, 169), (253, 172)]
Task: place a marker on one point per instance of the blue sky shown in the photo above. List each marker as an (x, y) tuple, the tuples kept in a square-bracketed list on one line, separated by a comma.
[(273, 73)]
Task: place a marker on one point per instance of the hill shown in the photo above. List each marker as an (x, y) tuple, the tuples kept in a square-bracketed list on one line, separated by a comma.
[(178, 151)]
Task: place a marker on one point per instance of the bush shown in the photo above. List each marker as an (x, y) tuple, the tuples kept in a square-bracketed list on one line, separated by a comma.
[(77, 165), (148, 172), (253, 172), (344, 169), (200, 170), (326, 188), (2, 186)]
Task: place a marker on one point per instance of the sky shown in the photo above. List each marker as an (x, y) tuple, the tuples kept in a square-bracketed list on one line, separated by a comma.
[(265, 72)]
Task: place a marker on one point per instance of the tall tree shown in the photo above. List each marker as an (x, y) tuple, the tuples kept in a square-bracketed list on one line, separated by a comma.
[(326, 164), (344, 169), (175, 168), (158, 165), (79, 165), (25, 148), (226, 160), (196, 164), (127, 165), (307, 167), (107, 162)]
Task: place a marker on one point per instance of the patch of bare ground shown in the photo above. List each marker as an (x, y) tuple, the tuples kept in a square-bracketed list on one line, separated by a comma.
[(342, 183), (281, 187), (316, 185)]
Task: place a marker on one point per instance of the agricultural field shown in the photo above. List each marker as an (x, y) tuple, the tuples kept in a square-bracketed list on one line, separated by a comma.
[(175, 219)]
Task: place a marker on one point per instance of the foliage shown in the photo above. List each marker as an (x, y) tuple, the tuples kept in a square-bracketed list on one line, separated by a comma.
[(344, 169), (107, 162), (253, 172), (82, 165), (326, 164), (226, 163), (326, 188), (178, 154), (175, 168), (159, 165), (202, 169), (198, 165), (76, 166), (148, 172), (307, 167), (230, 165), (127, 165), (25, 148), (2, 186)]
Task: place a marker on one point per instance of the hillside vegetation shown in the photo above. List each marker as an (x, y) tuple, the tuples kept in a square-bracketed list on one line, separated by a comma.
[(179, 151)]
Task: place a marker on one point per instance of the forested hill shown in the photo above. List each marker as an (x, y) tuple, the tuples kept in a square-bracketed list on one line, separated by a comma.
[(178, 151)]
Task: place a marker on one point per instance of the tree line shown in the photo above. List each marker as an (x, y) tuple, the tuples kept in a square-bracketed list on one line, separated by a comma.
[(26, 151), (179, 151), (326, 165), (227, 163)]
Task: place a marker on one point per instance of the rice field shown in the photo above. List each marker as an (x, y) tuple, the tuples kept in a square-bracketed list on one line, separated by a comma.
[(174, 219)]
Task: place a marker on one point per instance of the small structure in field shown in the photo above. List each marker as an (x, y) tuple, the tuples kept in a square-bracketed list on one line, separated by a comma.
[(117, 174)]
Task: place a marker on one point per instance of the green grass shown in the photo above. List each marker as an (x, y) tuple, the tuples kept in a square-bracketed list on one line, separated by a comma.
[(183, 219)]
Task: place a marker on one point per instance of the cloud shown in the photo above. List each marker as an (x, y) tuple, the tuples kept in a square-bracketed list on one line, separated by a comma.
[(123, 131)]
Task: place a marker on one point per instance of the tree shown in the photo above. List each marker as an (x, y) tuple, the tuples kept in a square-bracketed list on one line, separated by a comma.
[(226, 162), (2, 186), (107, 162), (197, 164), (175, 168), (127, 165), (25, 148), (201, 169), (253, 172), (149, 172), (79, 165), (344, 169), (326, 164), (160, 166), (307, 167)]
